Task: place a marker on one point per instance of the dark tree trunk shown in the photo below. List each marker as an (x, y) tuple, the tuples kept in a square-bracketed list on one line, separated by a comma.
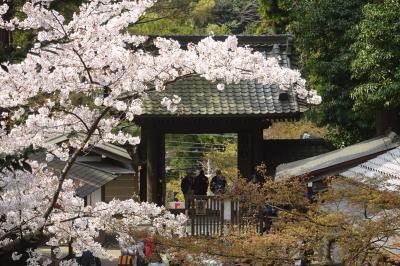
[(5, 36)]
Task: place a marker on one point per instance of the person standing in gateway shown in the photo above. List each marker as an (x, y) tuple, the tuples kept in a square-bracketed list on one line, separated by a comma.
[(218, 183), (200, 184), (187, 188)]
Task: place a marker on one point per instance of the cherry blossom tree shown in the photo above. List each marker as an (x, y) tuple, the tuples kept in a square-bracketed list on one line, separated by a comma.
[(91, 56)]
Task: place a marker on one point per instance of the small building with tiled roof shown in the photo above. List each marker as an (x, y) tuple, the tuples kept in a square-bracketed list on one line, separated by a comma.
[(246, 108), (102, 174), (384, 167), (378, 156)]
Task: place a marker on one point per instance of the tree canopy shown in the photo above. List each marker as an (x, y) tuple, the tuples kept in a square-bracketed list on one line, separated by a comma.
[(348, 51), (377, 57), (324, 34)]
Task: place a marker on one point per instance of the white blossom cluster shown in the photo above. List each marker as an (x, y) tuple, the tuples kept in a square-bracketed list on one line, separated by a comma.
[(82, 78), (171, 104), (91, 56), (25, 197)]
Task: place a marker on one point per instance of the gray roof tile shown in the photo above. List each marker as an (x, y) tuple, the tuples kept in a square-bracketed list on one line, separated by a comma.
[(207, 100), (200, 97), (338, 157)]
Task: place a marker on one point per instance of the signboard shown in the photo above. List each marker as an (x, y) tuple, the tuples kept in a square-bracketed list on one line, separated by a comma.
[(200, 207)]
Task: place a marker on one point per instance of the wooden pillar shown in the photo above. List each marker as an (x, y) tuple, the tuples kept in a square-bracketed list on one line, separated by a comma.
[(250, 151), (142, 161), (5, 36), (135, 162), (257, 141), (161, 199), (136, 179), (155, 158), (143, 183), (103, 193), (244, 154)]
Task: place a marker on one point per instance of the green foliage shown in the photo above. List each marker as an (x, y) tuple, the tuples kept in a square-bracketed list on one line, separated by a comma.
[(174, 186), (165, 18), (200, 17), (23, 41), (349, 51), (215, 29), (67, 8), (236, 15), (202, 12), (275, 15), (324, 32), (294, 130), (225, 160), (377, 49), (165, 26), (172, 17)]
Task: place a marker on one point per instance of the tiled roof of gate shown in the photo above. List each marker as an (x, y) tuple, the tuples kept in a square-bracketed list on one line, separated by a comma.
[(201, 97)]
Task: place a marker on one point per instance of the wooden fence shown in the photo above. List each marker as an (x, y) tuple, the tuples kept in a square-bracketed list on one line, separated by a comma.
[(214, 215)]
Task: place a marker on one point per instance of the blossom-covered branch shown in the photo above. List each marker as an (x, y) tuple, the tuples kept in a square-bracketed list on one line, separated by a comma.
[(92, 57)]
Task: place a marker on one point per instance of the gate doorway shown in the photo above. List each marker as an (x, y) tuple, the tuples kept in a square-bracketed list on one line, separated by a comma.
[(188, 154), (152, 148)]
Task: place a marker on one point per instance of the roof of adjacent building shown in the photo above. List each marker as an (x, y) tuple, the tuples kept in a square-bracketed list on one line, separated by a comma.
[(101, 148), (336, 161), (91, 175), (386, 165), (109, 167), (90, 178), (279, 151), (201, 98)]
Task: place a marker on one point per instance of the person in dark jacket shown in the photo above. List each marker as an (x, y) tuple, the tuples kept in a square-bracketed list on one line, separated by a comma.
[(218, 183), (200, 184), (187, 188)]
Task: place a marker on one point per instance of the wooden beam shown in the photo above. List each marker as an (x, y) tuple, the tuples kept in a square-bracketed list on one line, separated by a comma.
[(202, 125)]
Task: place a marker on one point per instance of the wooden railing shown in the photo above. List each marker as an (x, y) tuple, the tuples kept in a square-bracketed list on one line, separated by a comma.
[(215, 215)]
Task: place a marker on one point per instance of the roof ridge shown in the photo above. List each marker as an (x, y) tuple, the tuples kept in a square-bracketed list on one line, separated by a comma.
[(297, 168)]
